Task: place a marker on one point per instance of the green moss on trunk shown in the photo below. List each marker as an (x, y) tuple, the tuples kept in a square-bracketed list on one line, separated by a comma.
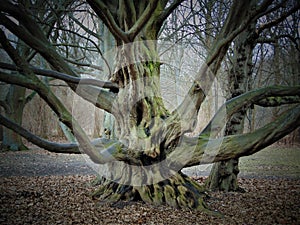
[(179, 191)]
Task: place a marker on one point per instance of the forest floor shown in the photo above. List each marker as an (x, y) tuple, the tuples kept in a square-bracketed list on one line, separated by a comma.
[(38, 187)]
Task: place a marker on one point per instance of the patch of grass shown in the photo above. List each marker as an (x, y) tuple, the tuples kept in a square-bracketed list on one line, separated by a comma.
[(272, 161)]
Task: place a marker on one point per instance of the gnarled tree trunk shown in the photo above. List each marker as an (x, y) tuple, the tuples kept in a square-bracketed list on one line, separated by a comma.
[(178, 191), (141, 121)]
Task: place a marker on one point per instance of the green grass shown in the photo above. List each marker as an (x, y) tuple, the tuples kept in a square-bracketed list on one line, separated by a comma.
[(272, 161)]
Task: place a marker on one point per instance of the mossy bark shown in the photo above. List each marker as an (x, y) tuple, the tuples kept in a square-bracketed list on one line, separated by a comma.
[(223, 176), (140, 113), (178, 191)]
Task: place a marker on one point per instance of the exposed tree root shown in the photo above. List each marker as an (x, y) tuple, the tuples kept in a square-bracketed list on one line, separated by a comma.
[(179, 191)]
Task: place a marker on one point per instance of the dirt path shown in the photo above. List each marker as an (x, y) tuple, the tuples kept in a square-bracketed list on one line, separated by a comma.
[(270, 163), (42, 163)]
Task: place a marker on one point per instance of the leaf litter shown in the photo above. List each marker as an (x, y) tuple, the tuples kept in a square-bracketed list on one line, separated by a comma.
[(65, 199)]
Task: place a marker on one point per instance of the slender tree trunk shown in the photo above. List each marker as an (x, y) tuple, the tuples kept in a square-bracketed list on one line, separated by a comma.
[(223, 176), (107, 46), (13, 99), (16, 101), (277, 73)]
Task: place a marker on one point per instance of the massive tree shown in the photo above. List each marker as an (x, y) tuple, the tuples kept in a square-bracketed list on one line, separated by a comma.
[(145, 159)]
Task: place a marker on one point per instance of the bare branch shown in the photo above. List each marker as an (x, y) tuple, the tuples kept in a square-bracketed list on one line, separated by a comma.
[(267, 96), (49, 146), (75, 62), (276, 21), (49, 53), (142, 20), (85, 28), (25, 21), (275, 39), (202, 150), (104, 13), (65, 77), (168, 10)]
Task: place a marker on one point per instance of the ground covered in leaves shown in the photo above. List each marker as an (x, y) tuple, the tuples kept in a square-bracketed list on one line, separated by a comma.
[(66, 200), (58, 198)]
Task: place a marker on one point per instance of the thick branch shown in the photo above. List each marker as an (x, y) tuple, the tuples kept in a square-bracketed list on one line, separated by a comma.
[(202, 150), (278, 101), (17, 79), (87, 91), (267, 96), (104, 13), (50, 146), (164, 15), (105, 99), (65, 77), (142, 20), (109, 154)]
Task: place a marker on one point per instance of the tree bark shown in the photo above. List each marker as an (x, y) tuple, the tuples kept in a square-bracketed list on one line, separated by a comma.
[(107, 47), (178, 191), (16, 101), (140, 122), (223, 176)]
